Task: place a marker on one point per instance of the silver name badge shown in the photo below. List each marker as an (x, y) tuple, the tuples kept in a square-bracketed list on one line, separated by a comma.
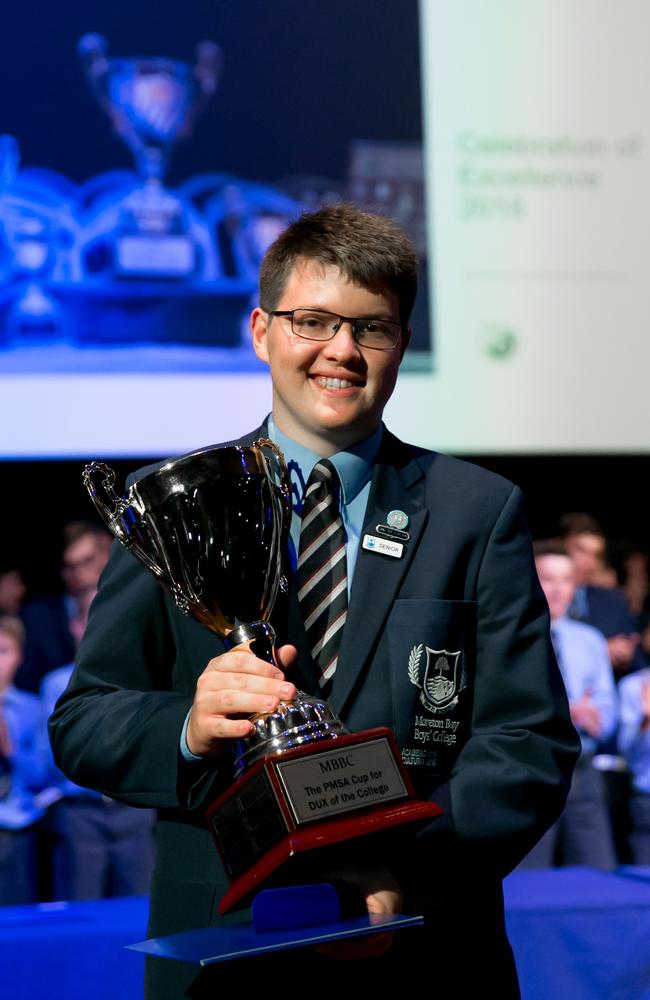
[(372, 543), (394, 533)]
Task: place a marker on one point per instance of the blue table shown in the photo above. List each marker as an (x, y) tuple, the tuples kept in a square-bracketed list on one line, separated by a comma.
[(577, 934), (72, 951), (580, 934)]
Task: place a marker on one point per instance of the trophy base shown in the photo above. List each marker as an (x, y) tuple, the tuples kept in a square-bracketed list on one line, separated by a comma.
[(288, 805)]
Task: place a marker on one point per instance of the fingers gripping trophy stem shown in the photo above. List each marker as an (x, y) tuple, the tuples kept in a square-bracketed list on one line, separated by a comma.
[(258, 638)]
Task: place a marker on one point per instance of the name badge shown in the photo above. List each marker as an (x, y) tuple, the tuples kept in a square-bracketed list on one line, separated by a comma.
[(372, 543)]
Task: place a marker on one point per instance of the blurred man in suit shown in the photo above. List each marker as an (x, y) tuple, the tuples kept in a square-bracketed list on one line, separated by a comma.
[(604, 608), (50, 622)]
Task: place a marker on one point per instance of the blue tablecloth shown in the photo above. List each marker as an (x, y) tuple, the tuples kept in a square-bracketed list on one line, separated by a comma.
[(72, 951), (580, 934), (577, 934)]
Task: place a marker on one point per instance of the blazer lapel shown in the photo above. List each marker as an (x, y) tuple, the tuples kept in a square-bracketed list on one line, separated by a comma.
[(397, 485)]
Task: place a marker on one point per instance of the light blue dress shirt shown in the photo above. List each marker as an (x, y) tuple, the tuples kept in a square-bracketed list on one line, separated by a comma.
[(586, 669), (22, 712), (634, 742)]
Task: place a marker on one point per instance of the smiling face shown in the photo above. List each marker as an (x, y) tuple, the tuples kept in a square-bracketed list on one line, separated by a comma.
[(327, 395)]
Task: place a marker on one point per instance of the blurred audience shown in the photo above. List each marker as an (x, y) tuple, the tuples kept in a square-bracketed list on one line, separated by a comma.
[(100, 847), (605, 608), (22, 773), (634, 743), (49, 621), (12, 590), (631, 566), (582, 835)]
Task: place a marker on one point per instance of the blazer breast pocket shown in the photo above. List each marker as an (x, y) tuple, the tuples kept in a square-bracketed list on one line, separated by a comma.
[(432, 650)]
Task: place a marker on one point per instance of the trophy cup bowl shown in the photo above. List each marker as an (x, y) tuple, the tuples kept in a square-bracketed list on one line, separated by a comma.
[(213, 527), (152, 101)]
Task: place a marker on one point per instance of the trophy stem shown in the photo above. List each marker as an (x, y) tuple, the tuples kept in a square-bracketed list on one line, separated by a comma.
[(258, 636), (152, 165)]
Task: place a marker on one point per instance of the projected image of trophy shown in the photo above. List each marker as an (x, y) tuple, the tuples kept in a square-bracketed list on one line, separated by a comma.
[(213, 528), (152, 102)]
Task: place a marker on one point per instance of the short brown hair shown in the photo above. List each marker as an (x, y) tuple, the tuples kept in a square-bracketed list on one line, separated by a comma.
[(580, 524), (549, 547), (370, 250), (74, 530), (14, 628)]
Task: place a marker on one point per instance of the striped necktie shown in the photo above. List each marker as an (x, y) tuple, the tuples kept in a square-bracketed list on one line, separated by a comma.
[(322, 568)]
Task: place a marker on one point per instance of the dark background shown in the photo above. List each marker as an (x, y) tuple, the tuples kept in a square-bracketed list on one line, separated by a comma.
[(38, 497)]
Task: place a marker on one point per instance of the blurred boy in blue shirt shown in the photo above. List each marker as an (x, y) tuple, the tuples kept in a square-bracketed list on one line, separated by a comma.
[(582, 835), (22, 772)]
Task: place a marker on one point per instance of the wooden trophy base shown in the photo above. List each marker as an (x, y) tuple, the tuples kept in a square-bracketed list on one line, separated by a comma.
[(313, 796)]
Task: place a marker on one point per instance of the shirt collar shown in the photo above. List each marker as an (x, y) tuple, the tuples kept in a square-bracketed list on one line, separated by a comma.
[(354, 465)]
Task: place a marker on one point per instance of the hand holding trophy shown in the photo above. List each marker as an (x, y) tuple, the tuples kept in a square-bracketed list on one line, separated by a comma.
[(233, 687), (213, 527)]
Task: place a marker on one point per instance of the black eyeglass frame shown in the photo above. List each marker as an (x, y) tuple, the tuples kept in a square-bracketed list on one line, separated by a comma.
[(352, 320)]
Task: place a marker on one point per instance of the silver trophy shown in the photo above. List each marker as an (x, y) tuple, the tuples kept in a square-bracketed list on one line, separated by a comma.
[(213, 527), (153, 103)]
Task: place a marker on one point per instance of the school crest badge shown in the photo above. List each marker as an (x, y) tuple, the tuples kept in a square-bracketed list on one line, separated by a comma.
[(439, 682)]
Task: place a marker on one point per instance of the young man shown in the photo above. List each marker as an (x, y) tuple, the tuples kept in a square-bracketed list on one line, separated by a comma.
[(605, 609), (50, 621), (447, 644), (583, 834)]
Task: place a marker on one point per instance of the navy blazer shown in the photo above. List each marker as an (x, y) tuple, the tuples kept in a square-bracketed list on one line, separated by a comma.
[(498, 758)]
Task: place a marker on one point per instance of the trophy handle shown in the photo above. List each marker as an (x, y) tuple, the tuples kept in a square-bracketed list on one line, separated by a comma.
[(276, 468), (283, 477), (109, 504), (119, 515)]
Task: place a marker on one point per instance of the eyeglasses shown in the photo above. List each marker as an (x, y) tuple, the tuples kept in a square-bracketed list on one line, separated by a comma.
[(315, 324)]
